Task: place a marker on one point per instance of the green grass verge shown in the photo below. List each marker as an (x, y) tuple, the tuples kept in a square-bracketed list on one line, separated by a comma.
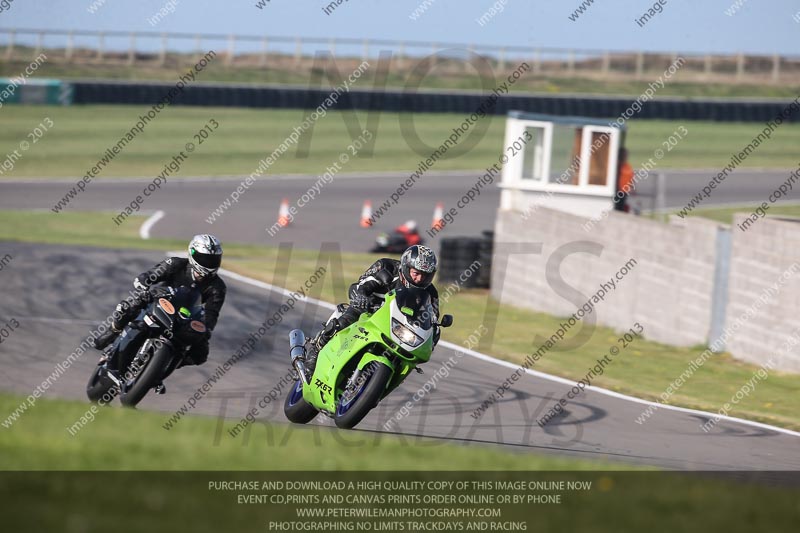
[(81, 135), (124, 472), (39, 440), (725, 214), (644, 370), (710, 145), (283, 72)]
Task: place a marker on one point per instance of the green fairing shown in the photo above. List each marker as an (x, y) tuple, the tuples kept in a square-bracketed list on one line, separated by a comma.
[(350, 349)]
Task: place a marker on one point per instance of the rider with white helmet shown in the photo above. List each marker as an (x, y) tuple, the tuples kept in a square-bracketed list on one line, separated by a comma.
[(198, 270)]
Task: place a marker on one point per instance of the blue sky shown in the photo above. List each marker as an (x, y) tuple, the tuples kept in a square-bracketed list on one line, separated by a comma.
[(760, 26)]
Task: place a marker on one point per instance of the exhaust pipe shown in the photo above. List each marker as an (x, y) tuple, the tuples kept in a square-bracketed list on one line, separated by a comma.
[(297, 352)]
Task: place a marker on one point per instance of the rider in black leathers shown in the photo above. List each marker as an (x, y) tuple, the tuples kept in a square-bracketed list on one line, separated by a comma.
[(416, 268), (200, 270)]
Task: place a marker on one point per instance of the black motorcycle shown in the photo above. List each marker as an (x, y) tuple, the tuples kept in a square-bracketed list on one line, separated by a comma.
[(150, 347)]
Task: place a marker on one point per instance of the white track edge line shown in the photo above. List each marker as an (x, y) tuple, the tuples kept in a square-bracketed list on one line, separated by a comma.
[(144, 229)]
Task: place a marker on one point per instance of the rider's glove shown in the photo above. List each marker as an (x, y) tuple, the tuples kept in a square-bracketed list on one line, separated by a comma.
[(143, 296), (159, 292), (359, 302)]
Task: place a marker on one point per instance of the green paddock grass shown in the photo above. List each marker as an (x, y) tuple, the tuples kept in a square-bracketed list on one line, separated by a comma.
[(725, 214), (643, 370), (282, 71), (82, 134), (124, 472), (39, 440)]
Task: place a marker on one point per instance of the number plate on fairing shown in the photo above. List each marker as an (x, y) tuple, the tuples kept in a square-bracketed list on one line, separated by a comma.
[(166, 305)]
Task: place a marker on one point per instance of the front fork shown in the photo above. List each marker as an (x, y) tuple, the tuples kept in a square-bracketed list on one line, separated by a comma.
[(141, 359), (365, 370)]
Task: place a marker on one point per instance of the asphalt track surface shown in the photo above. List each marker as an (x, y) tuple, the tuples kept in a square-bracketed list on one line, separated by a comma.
[(333, 216), (59, 293)]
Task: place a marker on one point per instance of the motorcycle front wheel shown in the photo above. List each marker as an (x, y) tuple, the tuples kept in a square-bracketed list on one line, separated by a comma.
[(149, 376), (352, 408)]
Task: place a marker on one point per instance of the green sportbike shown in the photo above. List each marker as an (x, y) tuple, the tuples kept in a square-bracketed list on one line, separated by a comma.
[(364, 362)]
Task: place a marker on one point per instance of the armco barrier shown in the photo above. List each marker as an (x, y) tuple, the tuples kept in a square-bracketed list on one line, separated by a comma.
[(292, 97)]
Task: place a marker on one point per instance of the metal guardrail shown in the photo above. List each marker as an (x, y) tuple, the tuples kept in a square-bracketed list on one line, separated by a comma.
[(260, 51)]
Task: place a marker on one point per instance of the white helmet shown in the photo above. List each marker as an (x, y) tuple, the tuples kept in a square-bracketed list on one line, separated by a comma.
[(205, 254)]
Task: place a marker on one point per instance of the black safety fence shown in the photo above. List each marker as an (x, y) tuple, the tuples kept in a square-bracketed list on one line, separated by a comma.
[(276, 97)]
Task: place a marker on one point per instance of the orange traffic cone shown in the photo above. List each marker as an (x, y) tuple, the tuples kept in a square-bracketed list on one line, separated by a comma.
[(438, 217), (366, 214), (283, 213)]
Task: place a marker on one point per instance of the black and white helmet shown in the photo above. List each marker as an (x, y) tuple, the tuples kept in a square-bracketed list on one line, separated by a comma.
[(205, 254), (422, 259)]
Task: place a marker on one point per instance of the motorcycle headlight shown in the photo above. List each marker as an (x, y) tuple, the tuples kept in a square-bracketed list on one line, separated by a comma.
[(405, 335)]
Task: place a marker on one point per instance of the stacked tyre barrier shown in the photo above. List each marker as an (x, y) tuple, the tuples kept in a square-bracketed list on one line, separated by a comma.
[(485, 258), (466, 261)]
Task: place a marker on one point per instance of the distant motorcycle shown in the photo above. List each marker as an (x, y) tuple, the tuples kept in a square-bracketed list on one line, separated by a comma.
[(365, 362), (150, 347), (402, 237)]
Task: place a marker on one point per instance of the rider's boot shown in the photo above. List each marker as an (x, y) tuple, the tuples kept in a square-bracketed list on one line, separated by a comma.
[(108, 337), (160, 388), (310, 358), (316, 344), (125, 312), (326, 334)]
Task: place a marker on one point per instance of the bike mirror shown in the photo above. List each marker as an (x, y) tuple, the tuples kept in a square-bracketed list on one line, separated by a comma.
[(447, 321)]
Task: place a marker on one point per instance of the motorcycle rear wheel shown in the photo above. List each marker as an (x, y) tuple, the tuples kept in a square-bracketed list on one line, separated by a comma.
[(295, 407), (101, 386)]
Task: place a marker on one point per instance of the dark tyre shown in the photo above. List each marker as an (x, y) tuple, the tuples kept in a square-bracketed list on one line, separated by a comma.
[(148, 376), (295, 408), (101, 389), (367, 395)]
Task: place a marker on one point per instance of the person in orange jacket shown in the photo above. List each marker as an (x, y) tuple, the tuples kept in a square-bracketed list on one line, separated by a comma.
[(624, 182)]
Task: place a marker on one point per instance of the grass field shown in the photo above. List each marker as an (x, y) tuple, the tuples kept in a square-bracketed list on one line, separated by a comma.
[(108, 477), (283, 72), (645, 371), (39, 440), (725, 214), (82, 134)]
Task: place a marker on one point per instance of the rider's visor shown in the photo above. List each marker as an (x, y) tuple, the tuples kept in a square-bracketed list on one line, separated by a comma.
[(405, 335), (208, 261)]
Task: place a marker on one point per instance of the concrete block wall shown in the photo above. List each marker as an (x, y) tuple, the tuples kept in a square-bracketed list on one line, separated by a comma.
[(669, 290), (765, 278)]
